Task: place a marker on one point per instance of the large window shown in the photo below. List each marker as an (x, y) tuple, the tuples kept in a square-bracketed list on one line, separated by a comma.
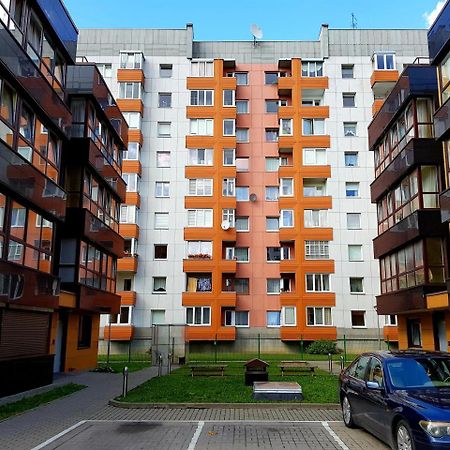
[(416, 264), (133, 119), (200, 218), (312, 69), (384, 61), (236, 318), (131, 60), (130, 90), (319, 316), (314, 157), (201, 127), (201, 156), (317, 250), (202, 98), (201, 186), (313, 127), (317, 282), (198, 315), (199, 249), (202, 68), (132, 181), (315, 218)]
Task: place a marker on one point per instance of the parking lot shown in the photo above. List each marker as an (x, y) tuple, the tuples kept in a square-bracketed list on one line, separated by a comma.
[(217, 435)]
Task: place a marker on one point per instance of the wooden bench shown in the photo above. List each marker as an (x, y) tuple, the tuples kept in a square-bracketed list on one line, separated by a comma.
[(208, 370), (296, 367)]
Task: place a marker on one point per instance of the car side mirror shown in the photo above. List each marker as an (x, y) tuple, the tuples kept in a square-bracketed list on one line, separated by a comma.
[(373, 385)]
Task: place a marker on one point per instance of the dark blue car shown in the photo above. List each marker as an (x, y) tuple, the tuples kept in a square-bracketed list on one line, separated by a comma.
[(401, 397)]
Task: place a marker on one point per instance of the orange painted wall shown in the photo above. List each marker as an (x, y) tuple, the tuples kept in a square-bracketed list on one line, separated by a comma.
[(426, 327), (80, 359)]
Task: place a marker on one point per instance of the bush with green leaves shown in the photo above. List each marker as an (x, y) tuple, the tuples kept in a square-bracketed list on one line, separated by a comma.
[(322, 348)]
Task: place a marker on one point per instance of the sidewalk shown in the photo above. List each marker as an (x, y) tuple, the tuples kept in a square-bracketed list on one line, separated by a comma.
[(33, 427)]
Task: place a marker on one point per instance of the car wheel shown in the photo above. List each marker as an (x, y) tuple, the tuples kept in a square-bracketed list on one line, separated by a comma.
[(347, 414), (403, 436)]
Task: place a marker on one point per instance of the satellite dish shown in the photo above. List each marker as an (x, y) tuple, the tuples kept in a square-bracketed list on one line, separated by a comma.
[(225, 225), (253, 198), (256, 31)]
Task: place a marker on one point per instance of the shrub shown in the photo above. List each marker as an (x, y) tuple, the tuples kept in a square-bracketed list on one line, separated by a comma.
[(322, 348)]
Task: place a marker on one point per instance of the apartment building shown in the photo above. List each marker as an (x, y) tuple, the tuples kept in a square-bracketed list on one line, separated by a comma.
[(248, 182), (59, 236)]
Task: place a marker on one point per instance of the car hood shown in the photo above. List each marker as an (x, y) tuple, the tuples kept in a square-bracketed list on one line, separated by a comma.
[(437, 397)]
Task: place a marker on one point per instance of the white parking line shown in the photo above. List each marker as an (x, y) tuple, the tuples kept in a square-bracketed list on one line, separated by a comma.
[(334, 436), (54, 438), (194, 439)]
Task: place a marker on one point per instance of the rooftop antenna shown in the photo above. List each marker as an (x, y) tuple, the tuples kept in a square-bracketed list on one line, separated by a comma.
[(257, 33), (354, 22)]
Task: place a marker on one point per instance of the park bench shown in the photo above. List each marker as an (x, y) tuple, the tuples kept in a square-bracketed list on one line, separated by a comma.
[(208, 370), (295, 367)]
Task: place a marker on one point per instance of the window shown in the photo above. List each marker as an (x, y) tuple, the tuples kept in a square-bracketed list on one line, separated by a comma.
[(271, 77), (165, 70), (311, 101), (164, 100), (350, 129), (158, 316), (242, 224), (272, 164), (27, 123), (84, 331), (347, 71), (390, 320), (317, 282), (241, 254), (124, 317), (202, 249), (355, 252), (273, 105), (351, 159), (242, 135), (228, 216), (353, 221), (164, 129), (229, 126), (273, 286), (356, 285), (315, 218), (162, 189), (161, 221), (272, 223), (163, 159), (318, 316), (242, 164), (358, 319), (198, 315), (317, 250), (127, 284), (200, 218), (273, 318), (288, 314), (286, 218), (201, 127), (241, 286), (159, 285), (132, 152), (128, 214), (273, 254), (348, 100), (271, 134), (384, 61), (286, 187), (351, 189), (202, 68), (228, 187), (271, 193), (130, 90), (414, 331), (229, 156), (314, 157), (242, 193), (132, 181), (242, 107), (236, 318), (313, 127), (314, 187), (131, 60), (201, 186), (202, 98), (105, 70), (286, 127), (160, 251), (8, 102), (312, 69), (241, 78), (229, 97), (133, 119), (201, 156)]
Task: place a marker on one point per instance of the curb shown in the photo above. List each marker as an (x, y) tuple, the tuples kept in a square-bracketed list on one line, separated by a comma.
[(130, 405)]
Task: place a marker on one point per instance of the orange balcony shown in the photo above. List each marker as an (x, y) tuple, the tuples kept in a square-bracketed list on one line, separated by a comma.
[(288, 265), (129, 230), (376, 106), (197, 298), (228, 265), (390, 334), (316, 171), (288, 234), (131, 166), (318, 234), (134, 75), (198, 265), (131, 105), (200, 141), (226, 334), (119, 332), (307, 334), (127, 298), (286, 84), (382, 82), (127, 264), (133, 198), (317, 141), (317, 202), (315, 83), (228, 299), (192, 333), (314, 112), (135, 135)]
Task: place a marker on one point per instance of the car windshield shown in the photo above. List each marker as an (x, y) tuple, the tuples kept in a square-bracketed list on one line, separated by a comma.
[(419, 372)]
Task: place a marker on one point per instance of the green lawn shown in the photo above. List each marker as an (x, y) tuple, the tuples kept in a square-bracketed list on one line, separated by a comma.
[(180, 387), (117, 366), (266, 357), (12, 409)]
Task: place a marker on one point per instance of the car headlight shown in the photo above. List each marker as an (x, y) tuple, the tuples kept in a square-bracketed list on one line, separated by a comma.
[(435, 429)]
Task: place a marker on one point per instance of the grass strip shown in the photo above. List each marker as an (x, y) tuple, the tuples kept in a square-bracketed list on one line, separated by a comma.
[(180, 387), (117, 366), (12, 409)]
